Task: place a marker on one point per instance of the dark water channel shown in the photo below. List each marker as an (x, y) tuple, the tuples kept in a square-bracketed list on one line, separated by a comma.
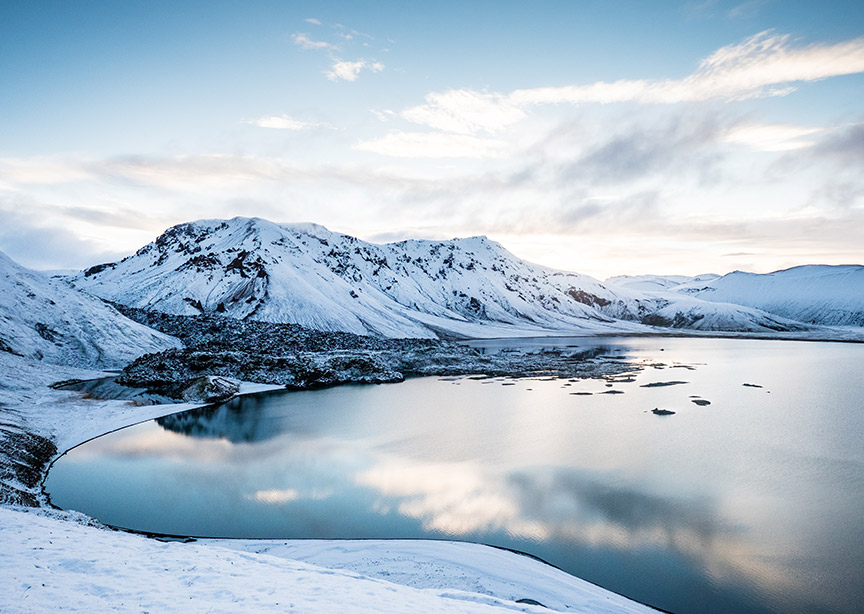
[(751, 501)]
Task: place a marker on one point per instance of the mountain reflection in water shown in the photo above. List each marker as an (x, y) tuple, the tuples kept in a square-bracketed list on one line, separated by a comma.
[(750, 504), (241, 419)]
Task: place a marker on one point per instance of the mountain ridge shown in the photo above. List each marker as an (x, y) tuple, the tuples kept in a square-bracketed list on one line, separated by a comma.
[(465, 287)]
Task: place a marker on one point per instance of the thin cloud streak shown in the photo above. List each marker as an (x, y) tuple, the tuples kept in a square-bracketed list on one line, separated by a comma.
[(285, 122), (763, 65), (304, 42)]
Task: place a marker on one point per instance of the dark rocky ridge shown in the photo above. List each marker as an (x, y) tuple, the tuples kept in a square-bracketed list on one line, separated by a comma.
[(23, 462), (301, 358)]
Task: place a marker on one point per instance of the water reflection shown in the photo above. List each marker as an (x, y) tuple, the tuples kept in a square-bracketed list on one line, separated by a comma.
[(751, 504), (239, 420)]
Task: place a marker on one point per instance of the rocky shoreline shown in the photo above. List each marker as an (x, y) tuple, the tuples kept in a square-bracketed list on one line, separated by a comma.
[(300, 358)]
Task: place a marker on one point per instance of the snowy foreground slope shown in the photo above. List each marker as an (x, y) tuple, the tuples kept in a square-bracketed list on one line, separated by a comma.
[(53, 565), (47, 319), (306, 274)]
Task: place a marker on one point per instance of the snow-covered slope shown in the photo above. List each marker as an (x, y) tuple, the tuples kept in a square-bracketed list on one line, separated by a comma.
[(48, 320), (306, 274), (814, 294)]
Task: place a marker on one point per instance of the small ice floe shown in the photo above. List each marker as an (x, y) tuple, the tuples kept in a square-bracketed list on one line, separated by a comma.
[(662, 412)]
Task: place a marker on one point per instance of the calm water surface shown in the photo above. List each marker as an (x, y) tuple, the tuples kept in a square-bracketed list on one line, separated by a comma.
[(753, 503)]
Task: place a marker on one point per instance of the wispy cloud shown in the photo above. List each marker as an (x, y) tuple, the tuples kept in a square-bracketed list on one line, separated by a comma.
[(350, 71), (45, 241), (285, 122), (763, 65), (350, 33), (304, 42), (313, 21), (466, 112), (771, 137)]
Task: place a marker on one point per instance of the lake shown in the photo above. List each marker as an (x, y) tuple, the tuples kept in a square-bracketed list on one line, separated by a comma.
[(750, 501)]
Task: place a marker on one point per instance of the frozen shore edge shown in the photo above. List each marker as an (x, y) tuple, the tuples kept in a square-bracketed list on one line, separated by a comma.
[(56, 560)]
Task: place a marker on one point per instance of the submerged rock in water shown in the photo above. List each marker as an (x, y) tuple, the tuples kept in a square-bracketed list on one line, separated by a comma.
[(662, 384)]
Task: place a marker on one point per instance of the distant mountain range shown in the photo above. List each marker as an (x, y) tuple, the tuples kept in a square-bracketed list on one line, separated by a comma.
[(473, 287), (305, 274)]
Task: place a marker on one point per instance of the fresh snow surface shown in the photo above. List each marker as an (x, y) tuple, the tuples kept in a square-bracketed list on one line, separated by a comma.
[(64, 562), (52, 564), (818, 294), (47, 319)]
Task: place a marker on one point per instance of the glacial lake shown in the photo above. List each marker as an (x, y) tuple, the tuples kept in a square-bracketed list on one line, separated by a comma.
[(751, 503)]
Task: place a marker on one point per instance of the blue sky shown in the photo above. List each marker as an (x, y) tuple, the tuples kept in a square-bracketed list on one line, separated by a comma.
[(601, 137)]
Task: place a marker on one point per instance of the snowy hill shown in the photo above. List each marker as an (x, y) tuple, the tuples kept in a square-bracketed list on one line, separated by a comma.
[(250, 268), (814, 294), (655, 283), (48, 320)]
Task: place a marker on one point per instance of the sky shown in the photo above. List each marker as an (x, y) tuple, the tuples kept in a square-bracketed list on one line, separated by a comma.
[(603, 137)]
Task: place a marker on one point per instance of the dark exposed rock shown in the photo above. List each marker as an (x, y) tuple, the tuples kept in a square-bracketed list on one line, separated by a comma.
[(99, 268), (22, 466), (700, 402), (301, 358), (662, 412), (586, 298), (530, 602), (210, 389), (49, 334)]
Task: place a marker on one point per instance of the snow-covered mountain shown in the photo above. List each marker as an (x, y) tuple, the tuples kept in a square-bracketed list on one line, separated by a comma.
[(473, 287), (48, 320), (813, 294), (306, 274)]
